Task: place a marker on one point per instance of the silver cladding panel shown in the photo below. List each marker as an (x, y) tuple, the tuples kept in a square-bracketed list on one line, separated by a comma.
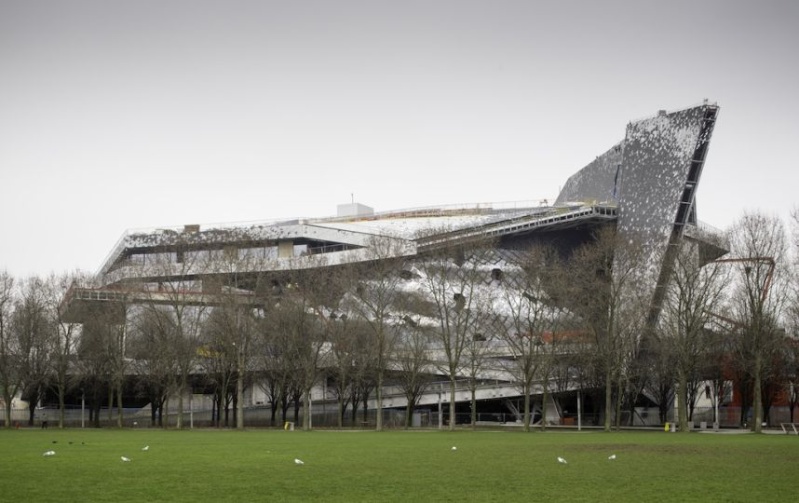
[(597, 182), (655, 166)]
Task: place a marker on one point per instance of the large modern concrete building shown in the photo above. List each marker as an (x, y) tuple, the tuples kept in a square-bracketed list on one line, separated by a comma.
[(645, 185)]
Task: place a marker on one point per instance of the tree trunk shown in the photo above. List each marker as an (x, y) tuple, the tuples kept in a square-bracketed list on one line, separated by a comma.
[(284, 406), (181, 387), (682, 402), (379, 391), (617, 405), (306, 416), (608, 399), (758, 397), (61, 406), (165, 412), (120, 411), (215, 409), (526, 416), (474, 406), (365, 407), (452, 418), (110, 401), (235, 409), (240, 402), (227, 411), (544, 406), (96, 407), (7, 410)]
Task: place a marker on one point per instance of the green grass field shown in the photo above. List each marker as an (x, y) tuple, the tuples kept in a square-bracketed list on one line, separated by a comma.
[(258, 465)]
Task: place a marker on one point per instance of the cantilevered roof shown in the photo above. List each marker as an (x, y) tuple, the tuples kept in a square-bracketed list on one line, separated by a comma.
[(646, 182)]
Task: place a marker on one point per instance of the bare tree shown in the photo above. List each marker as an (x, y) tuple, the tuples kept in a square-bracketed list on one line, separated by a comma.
[(302, 321), (610, 294), (9, 361), (718, 367), (413, 364), (56, 290), (35, 334), (694, 293), (477, 355), (99, 352), (660, 367), (792, 343), (376, 297), (234, 320), (350, 341), (792, 374), (364, 383), (759, 244), (530, 318), (118, 362), (272, 350), (452, 277), (179, 307), (287, 344), (153, 358), (559, 345), (221, 359)]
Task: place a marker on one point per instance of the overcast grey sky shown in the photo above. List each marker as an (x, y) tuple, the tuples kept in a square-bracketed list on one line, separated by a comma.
[(148, 113)]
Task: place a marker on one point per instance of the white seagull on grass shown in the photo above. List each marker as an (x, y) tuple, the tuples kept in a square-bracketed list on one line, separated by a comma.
[(298, 461), (146, 448), (49, 453), (612, 457), (562, 461), (124, 459)]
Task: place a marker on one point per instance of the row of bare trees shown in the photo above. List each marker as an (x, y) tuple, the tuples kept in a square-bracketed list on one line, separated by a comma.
[(549, 319), (36, 348), (732, 322)]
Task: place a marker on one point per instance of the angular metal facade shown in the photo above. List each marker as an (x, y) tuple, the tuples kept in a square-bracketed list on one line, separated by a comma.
[(652, 175)]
